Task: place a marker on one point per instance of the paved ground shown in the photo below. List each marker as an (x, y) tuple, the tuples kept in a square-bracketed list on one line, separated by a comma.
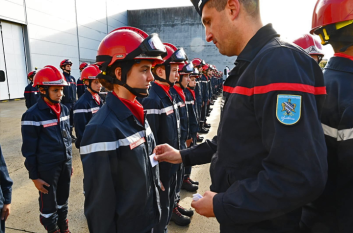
[(25, 209)]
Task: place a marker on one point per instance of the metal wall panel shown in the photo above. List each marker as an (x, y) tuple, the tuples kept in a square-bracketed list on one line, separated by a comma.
[(12, 10)]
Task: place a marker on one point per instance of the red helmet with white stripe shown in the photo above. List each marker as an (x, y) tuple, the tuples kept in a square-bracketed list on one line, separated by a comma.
[(83, 65), (90, 72), (49, 76), (31, 74), (65, 62), (309, 44)]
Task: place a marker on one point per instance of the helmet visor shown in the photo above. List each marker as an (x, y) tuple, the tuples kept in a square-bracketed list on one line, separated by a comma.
[(178, 56), (153, 46), (188, 68), (195, 72)]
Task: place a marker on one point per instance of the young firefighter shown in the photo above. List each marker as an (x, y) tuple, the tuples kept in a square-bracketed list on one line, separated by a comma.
[(198, 63), (5, 192), (333, 210), (163, 116), (119, 181), (90, 102), (31, 93), (47, 149), (205, 97), (80, 85), (178, 93), (69, 97), (193, 126), (312, 46)]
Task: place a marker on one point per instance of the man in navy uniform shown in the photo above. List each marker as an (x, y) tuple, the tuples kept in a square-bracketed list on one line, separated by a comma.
[(267, 161)]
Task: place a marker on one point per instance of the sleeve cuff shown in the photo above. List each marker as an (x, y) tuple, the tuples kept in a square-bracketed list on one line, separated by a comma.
[(33, 175), (219, 210), (185, 156)]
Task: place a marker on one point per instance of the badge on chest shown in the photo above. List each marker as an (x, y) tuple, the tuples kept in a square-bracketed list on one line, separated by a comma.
[(288, 110)]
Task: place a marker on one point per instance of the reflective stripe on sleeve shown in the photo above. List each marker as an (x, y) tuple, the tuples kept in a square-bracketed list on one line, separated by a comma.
[(86, 110), (340, 135), (159, 111), (110, 146), (39, 123), (189, 102)]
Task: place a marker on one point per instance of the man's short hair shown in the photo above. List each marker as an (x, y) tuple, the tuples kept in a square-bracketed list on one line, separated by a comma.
[(251, 6)]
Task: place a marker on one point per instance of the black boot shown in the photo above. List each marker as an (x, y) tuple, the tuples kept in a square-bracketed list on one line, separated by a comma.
[(64, 227), (194, 182), (184, 211), (179, 219), (203, 130), (207, 126), (188, 186), (54, 230)]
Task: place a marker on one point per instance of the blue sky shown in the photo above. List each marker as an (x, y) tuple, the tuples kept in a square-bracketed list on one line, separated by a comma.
[(291, 19)]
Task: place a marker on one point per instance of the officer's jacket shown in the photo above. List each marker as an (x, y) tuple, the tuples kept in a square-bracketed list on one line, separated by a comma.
[(269, 158), (120, 184), (80, 88), (193, 125), (163, 116), (198, 93), (205, 88), (69, 91), (46, 143), (31, 95), (5, 183), (183, 114), (334, 208), (84, 109)]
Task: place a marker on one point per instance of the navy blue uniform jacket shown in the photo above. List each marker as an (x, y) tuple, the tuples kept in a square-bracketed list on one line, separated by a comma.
[(198, 93), (69, 91), (45, 142), (163, 116), (5, 183), (80, 88), (120, 184), (334, 208), (84, 109), (205, 89), (193, 126), (31, 95), (263, 170), (183, 114)]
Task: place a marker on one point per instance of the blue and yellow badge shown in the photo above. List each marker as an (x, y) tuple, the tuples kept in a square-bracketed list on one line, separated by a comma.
[(288, 109)]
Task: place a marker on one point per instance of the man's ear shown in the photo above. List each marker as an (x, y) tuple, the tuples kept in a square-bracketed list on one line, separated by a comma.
[(118, 73), (159, 71), (233, 8)]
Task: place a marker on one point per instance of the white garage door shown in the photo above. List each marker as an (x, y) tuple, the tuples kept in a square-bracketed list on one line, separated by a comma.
[(13, 55)]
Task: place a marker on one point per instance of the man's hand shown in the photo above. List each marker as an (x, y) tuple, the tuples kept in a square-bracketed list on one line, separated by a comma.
[(203, 104), (166, 153), (204, 206), (40, 185), (5, 211), (208, 102)]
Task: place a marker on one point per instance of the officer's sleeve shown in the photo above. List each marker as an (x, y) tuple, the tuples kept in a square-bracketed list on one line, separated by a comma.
[(80, 121), (152, 110), (30, 137), (295, 168), (199, 154), (344, 190), (5, 180), (98, 161)]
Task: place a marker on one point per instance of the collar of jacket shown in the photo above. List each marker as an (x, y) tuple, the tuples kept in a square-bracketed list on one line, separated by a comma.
[(66, 75), (41, 104), (118, 107), (159, 91), (257, 42), (88, 95), (340, 64)]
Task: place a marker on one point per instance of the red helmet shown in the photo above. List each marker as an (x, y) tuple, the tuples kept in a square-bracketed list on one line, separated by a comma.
[(127, 44), (90, 72), (174, 55), (65, 62), (49, 76), (331, 12), (83, 65), (198, 62), (309, 44), (186, 68), (31, 74), (206, 67)]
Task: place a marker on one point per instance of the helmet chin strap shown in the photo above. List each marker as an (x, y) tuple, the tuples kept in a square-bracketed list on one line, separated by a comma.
[(46, 88), (125, 68), (90, 87), (180, 80), (167, 74)]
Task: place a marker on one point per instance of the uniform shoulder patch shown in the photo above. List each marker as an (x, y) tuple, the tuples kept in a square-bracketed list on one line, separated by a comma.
[(288, 109)]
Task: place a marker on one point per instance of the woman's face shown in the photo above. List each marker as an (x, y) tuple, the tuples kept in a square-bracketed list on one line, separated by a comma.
[(140, 75)]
